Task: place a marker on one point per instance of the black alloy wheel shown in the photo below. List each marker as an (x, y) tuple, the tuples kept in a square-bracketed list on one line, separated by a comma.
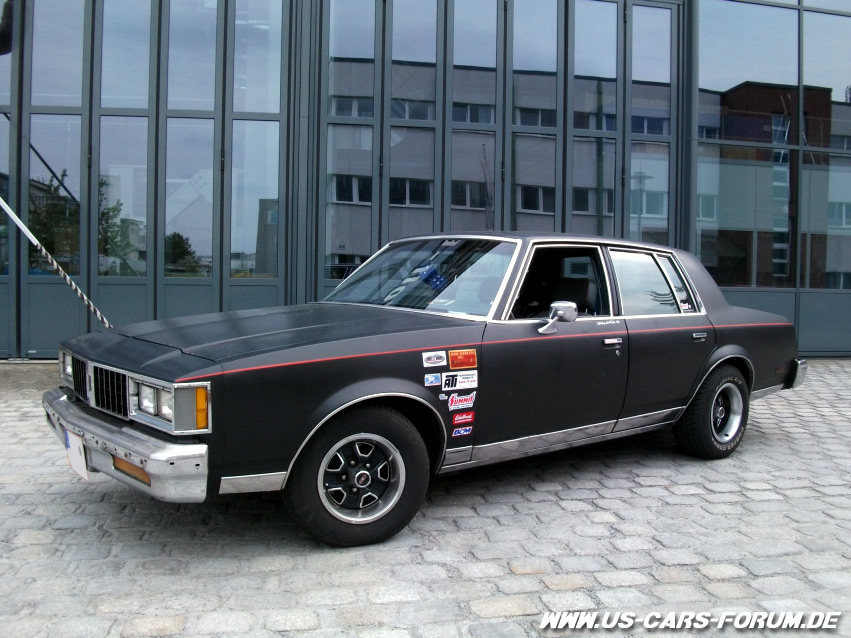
[(360, 479)]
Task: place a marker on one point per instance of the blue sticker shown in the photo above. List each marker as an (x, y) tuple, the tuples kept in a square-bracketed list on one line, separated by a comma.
[(432, 379), (462, 431)]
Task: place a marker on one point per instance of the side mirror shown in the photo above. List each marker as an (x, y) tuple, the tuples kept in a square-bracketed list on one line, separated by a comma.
[(559, 311)]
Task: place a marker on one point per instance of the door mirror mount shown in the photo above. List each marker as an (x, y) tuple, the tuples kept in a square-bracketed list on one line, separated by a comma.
[(559, 311)]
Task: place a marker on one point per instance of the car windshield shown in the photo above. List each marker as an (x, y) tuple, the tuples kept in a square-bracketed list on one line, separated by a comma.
[(445, 275)]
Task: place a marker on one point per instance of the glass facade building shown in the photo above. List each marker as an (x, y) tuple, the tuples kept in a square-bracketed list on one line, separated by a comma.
[(188, 156)]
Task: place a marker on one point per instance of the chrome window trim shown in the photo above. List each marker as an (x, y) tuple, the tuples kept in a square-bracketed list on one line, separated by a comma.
[(527, 260), (654, 255)]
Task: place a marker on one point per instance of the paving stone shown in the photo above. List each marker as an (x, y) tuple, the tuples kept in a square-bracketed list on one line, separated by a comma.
[(629, 524)]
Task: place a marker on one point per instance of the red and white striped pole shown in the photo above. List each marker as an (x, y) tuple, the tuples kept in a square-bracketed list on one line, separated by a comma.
[(35, 242)]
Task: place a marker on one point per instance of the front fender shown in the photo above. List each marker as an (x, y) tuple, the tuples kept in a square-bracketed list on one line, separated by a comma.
[(350, 396)]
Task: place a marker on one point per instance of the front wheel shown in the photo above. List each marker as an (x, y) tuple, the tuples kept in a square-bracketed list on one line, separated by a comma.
[(714, 423), (361, 479)]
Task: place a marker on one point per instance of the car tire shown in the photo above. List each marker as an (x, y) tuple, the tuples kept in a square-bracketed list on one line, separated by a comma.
[(360, 479), (714, 422)]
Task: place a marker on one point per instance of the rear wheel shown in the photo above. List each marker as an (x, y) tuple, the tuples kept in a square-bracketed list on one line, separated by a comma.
[(714, 423), (361, 479)]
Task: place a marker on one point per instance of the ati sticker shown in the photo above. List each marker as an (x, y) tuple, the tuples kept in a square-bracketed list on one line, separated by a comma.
[(434, 359), (462, 431), (461, 359), (460, 380), (432, 379), (463, 417), (457, 402)]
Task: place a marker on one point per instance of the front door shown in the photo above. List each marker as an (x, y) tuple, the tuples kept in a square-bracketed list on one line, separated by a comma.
[(544, 390)]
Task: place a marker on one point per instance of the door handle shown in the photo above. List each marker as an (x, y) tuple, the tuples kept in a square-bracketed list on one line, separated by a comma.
[(699, 336), (612, 342)]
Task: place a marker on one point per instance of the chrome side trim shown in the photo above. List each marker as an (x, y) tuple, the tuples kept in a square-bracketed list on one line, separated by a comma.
[(458, 455), (533, 444), (178, 471), (252, 483), (552, 448), (760, 394), (653, 418)]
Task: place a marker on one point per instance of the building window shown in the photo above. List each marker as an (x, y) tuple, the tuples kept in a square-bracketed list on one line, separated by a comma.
[(411, 109), (707, 207), (839, 214), (351, 189), (535, 117), (536, 199), (469, 195), (344, 106), (410, 192), (651, 125), (473, 113), (594, 121)]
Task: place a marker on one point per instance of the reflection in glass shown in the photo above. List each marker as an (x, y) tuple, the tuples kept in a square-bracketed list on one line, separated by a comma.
[(257, 56), (57, 52), (6, 24), (4, 193), (472, 200), (649, 192), (651, 71), (534, 182), (411, 181), (413, 78), (192, 55), (189, 198), (826, 220), (827, 94), (757, 101), (123, 197), (125, 54), (348, 211), (593, 207), (351, 73), (254, 200), (54, 192), (535, 62), (474, 61), (746, 218), (838, 5), (596, 37)]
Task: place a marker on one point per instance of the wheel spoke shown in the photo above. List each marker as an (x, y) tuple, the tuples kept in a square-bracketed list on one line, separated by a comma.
[(358, 477)]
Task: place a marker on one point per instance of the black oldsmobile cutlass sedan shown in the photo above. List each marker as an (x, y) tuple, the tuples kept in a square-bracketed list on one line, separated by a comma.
[(440, 353)]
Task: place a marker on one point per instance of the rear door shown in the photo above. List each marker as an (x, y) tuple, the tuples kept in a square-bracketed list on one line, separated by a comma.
[(669, 336)]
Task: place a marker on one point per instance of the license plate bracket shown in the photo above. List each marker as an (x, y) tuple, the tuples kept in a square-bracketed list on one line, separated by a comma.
[(76, 454)]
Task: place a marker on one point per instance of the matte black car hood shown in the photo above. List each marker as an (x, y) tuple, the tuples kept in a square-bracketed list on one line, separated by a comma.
[(225, 336)]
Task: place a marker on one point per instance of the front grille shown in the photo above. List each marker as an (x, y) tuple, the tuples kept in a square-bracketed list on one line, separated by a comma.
[(78, 370), (110, 391)]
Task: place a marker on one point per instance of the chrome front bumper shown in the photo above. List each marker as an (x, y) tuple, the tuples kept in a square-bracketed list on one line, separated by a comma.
[(178, 472)]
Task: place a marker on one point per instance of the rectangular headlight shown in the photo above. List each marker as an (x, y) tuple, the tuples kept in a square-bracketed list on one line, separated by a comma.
[(165, 404), (66, 367), (148, 399)]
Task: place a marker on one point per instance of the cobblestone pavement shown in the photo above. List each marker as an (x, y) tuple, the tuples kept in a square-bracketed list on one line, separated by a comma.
[(629, 526)]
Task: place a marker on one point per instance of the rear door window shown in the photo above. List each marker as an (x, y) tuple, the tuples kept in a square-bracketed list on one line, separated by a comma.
[(643, 287)]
